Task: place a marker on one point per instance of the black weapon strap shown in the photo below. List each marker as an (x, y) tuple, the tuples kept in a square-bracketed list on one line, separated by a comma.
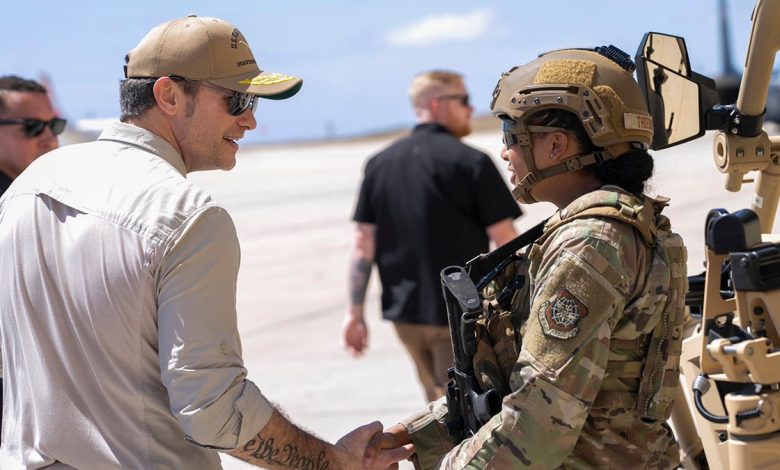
[(483, 268)]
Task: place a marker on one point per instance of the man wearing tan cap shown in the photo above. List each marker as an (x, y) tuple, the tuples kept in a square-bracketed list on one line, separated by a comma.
[(119, 335)]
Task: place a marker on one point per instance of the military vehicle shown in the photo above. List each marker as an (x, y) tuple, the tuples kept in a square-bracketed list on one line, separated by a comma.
[(727, 83), (727, 415)]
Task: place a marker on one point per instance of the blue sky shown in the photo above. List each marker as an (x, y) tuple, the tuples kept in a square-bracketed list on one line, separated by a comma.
[(356, 57)]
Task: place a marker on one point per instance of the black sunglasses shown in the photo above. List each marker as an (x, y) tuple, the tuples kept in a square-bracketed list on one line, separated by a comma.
[(237, 102), (464, 99), (35, 127), (509, 127), (511, 134)]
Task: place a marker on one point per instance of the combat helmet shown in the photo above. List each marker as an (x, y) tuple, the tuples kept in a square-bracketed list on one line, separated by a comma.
[(597, 85)]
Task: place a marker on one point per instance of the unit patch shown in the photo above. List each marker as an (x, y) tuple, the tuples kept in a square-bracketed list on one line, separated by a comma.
[(560, 316)]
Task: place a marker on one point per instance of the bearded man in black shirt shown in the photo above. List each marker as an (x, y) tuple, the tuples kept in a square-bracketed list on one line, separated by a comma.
[(426, 202)]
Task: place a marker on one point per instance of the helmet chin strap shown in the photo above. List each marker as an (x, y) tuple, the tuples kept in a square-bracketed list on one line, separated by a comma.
[(522, 192)]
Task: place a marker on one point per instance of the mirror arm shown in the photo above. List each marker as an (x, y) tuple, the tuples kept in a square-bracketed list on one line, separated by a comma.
[(718, 118), (728, 119)]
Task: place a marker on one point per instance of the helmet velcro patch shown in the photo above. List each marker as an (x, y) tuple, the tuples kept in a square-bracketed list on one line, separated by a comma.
[(574, 72), (615, 105), (625, 128)]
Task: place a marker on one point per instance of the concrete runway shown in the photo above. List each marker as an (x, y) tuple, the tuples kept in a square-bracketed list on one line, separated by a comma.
[(292, 207)]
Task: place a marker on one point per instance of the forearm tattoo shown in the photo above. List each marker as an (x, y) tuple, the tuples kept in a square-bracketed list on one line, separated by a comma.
[(266, 450), (361, 270)]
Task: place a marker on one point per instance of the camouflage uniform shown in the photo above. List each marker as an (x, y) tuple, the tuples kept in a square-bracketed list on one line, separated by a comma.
[(577, 394)]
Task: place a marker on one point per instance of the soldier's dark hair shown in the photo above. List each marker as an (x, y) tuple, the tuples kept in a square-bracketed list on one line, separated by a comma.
[(136, 96), (17, 83), (630, 171)]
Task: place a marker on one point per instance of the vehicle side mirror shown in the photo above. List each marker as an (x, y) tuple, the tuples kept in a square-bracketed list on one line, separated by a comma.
[(677, 98)]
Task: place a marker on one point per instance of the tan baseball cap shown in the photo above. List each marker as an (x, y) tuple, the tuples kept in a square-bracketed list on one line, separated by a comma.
[(210, 50)]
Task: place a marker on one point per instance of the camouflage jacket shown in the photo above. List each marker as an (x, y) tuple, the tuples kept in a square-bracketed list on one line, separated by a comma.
[(574, 387)]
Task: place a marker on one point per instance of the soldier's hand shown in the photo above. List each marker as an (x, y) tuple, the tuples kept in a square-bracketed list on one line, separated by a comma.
[(354, 335), (387, 448)]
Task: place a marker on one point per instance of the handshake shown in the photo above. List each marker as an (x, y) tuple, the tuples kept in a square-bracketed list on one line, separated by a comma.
[(381, 449)]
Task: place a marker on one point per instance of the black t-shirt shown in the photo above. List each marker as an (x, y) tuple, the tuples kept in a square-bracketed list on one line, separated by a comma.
[(431, 197), (5, 182)]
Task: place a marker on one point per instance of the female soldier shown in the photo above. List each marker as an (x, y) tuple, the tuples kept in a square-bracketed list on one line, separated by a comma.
[(599, 349)]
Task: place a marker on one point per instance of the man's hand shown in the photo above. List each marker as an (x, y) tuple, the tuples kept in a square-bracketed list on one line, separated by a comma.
[(282, 445), (388, 447), (354, 334)]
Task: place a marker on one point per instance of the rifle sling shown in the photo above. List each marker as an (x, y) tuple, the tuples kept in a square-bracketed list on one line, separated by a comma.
[(480, 267)]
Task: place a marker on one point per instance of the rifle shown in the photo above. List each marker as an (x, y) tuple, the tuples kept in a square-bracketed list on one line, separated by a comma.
[(469, 406)]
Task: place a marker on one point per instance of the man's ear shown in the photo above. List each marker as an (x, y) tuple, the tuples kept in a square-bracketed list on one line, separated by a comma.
[(434, 106), (169, 97)]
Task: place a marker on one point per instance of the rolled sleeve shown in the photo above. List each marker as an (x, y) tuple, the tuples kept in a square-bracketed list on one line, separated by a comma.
[(199, 347), (364, 208), (254, 410), (428, 434)]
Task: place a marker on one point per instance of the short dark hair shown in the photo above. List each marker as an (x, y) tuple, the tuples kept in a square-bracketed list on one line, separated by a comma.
[(630, 171), (136, 96), (17, 83)]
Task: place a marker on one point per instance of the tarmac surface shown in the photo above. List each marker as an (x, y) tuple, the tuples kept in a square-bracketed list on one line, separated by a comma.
[(292, 207)]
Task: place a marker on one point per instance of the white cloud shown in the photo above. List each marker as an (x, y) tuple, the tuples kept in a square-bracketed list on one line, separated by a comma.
[(441, 28)]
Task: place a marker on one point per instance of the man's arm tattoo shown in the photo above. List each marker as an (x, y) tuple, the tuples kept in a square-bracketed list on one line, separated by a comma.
[(265, 450), (361, 271)]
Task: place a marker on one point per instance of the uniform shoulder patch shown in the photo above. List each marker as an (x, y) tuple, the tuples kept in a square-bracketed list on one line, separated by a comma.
[(561, 315)]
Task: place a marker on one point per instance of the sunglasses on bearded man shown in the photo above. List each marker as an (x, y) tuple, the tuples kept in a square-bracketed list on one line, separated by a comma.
[(34, 127), (463, 99)]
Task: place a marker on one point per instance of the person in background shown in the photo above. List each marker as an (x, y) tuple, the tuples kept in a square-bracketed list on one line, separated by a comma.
[(426, 202), (29, 126)]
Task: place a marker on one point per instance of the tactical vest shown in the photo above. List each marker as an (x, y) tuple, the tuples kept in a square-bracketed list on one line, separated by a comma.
[(506, 307)]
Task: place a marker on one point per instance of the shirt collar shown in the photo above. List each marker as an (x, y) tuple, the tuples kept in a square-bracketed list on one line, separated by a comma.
[(430, 127), (140, 137)]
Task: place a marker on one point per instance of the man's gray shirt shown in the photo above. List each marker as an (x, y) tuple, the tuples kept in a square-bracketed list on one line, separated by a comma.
[(117, 313)]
